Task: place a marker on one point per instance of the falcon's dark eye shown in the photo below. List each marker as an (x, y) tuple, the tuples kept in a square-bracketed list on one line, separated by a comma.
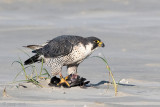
[(97, 41)]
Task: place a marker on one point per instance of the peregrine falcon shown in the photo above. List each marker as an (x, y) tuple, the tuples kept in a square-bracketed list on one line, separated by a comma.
[(65, 50)]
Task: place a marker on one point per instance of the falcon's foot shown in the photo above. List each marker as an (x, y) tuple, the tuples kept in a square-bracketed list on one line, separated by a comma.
[(71, 80), (63, 82)]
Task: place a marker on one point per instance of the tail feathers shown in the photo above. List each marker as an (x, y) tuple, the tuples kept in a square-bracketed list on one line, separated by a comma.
[(31, 60), (33, 47)]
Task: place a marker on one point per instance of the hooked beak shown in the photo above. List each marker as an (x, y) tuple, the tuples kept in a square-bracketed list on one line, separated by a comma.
[(101, 44)]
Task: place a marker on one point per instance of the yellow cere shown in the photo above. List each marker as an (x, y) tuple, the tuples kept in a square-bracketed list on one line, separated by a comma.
[(100, 43)]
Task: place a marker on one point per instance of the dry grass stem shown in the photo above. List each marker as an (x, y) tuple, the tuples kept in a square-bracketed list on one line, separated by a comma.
[(5, 93)]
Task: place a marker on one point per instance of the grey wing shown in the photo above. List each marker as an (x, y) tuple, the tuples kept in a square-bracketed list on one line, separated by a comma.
[(55, 48)]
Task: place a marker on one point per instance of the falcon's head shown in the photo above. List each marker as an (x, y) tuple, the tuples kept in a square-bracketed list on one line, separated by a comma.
[(96, 42)]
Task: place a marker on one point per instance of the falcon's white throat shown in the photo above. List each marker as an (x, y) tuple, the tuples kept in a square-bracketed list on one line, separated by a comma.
[(88, 49)]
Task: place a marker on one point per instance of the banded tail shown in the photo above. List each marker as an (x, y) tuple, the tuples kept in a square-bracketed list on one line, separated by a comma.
[(37, 57), (32, 59)]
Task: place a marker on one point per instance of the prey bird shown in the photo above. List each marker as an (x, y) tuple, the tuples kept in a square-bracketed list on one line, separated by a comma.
[(65, 50)]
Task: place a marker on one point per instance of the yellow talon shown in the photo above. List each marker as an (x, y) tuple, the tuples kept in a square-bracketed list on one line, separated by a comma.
[(66, 77), (63, 80)]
